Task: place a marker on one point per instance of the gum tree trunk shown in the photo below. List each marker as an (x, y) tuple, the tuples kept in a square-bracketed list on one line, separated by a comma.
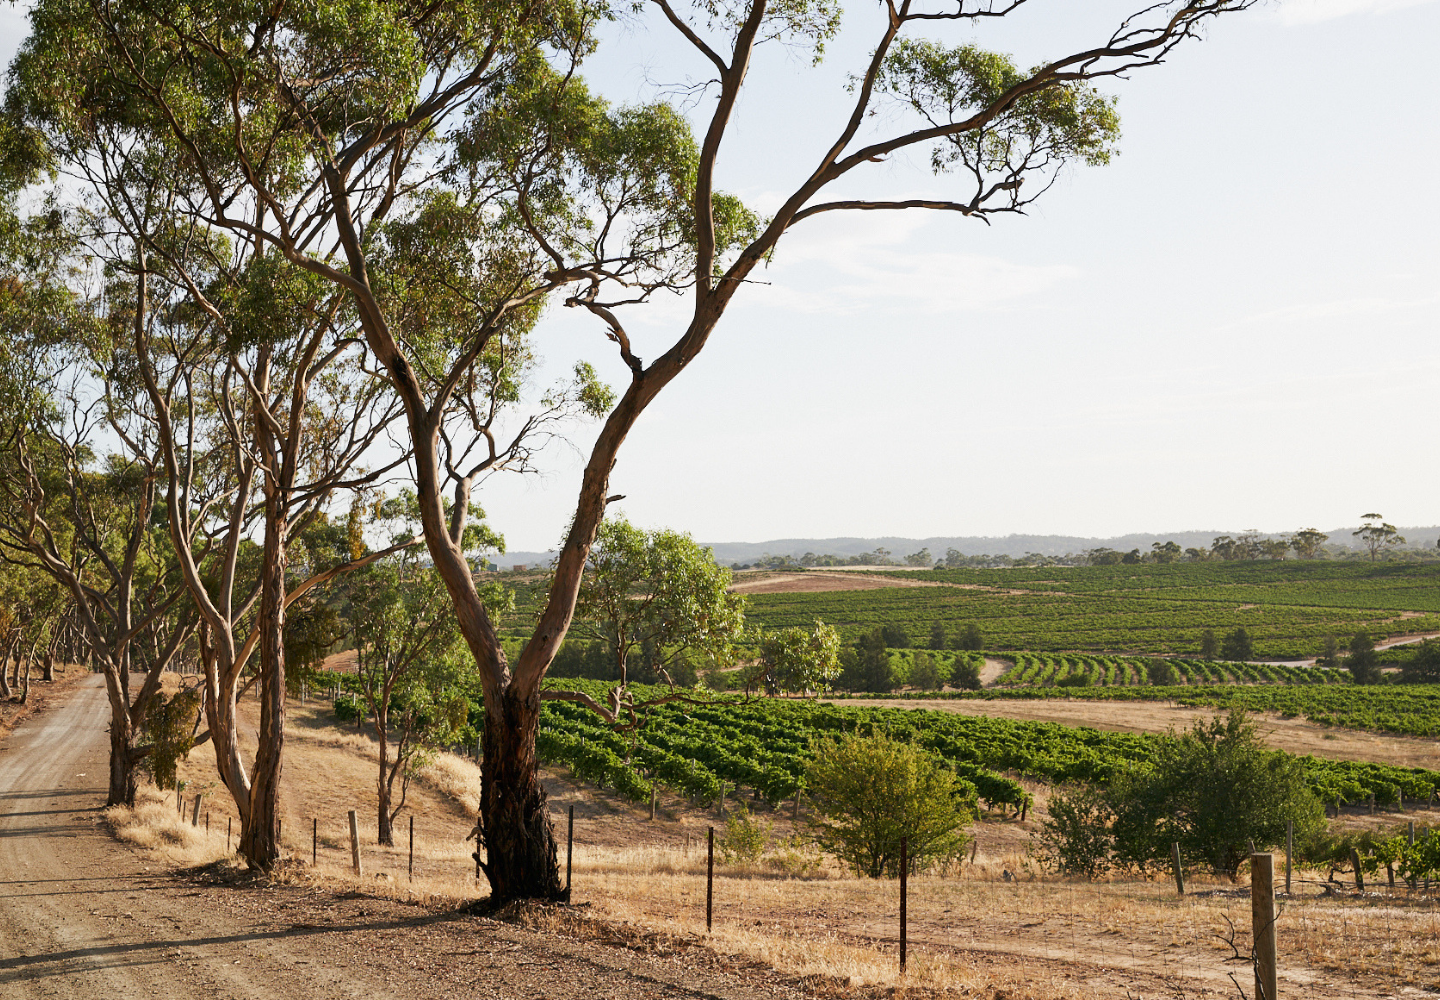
[(260, 835), (520, 856)]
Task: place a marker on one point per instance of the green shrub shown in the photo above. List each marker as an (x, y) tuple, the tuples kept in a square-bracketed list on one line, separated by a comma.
[(1076, 838), (1213, 790), (1162, 673), (349, 707), (744, 839), (869, 791)]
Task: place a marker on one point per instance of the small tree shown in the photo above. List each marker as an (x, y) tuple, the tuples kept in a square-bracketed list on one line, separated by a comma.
[(938, 639), (1209, 645), (869, 791), (797, 659), (895, 636), (1075, 839), (1237, 645), (1213, 790), (1377, 536), (1363, 663), (1424, 665), (1161, 673), (924, 672), (969, 638), (965, 673), (1329, 653), (655, 587)]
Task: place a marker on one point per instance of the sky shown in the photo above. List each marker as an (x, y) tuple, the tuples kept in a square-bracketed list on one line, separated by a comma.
[(1232, 325)]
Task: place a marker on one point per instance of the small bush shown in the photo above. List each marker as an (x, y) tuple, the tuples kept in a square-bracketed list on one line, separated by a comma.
[(1162, 673), (869, 791), (349, 707), (744, 839), (965, 673), (1076, 838)]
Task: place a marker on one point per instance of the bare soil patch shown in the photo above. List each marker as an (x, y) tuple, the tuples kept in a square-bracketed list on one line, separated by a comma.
[(43, 695), (814, 583)]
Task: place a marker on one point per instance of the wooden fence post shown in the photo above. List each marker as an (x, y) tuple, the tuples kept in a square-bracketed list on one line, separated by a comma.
[(354, 843), (1262, 923), (412, 847), (652, 800), (710, 883), (1359, 875), (314, 841), (795, 816), (207, 824), (904, 872), (569, 851), (228, 821), (1179, 872)]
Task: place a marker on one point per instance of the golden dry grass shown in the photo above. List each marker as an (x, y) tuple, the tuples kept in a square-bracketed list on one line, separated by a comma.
[(972, 932)]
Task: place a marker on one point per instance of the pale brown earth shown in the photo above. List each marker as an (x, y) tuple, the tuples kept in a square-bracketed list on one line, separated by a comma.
[(84, 916), (815, 582)]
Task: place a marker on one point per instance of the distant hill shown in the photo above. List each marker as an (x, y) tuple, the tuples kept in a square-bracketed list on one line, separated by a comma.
[(971, 545)]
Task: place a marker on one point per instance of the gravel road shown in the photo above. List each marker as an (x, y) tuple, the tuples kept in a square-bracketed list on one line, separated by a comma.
[(83, 916)]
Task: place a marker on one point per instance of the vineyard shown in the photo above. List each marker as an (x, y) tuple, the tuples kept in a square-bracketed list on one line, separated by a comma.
[(1402, 709), (1288, 608), (1079, 670), (763, 745)]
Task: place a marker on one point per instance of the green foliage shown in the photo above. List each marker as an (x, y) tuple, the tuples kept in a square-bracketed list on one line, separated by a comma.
[(1423, 667), (798, 660), (656, 587), (1149, 608), (1237, 645), (1162, 672), (946, 85), (169, 726), (1213, 790), (1075, 839), (1362, 662), (869, 791), (745, 838), (924, 673)]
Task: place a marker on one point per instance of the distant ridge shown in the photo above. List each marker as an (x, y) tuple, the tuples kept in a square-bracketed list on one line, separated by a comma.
[(972, 545)]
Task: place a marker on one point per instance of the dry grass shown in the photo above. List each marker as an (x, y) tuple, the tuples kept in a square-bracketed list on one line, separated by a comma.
[(972, 931), (156, 825)]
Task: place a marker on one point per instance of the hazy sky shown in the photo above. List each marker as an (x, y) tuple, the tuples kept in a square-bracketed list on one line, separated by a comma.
[(1232, 325)]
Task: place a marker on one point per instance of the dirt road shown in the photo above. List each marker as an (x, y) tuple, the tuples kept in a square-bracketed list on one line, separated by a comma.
[(83, 916)]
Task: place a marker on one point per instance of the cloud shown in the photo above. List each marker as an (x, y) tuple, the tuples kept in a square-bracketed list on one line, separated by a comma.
[(1295, 12), (880, 257)]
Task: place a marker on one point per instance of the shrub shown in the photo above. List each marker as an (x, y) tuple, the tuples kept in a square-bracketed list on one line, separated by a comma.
[(1363, 663), (1212, 790), (744, 838), (169, 723), (349, 707), (1237, 646), (924, 672), (965, 673), (1076, 838), (1162, 673), (869, 791), (1424, 666)]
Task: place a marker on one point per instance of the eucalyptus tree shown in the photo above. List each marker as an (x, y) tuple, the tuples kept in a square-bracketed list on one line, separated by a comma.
[(69, 510), (391, 148), (413, 670), (654, 589)]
